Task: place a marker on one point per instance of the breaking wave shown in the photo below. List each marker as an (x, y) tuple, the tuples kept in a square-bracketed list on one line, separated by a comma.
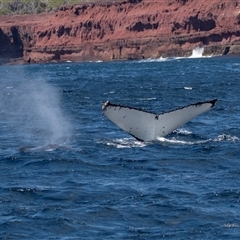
[(196, 53), (161, 59)]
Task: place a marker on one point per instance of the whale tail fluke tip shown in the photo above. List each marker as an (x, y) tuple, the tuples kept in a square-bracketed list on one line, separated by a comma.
[(105, 105), (213, 102)]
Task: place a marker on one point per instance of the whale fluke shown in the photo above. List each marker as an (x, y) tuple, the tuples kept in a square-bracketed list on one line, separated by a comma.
[(147, 126)]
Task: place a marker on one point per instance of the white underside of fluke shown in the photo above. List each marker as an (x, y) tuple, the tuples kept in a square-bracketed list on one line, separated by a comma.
[(146, 126)]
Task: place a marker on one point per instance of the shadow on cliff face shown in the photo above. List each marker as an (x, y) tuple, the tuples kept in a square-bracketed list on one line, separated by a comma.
[(10, 49), (196, 24), (201, 25)]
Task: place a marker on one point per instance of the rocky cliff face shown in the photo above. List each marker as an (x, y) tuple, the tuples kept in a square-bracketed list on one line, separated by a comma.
[(130, 29)]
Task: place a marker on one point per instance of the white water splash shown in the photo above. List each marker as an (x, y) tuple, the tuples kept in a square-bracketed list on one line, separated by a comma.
[(161, 59), (126, 143), (188, 88), (220, 138), (231, 225), (183, 142), (197, 52), (172, 140), (226, 137), (182, 131)]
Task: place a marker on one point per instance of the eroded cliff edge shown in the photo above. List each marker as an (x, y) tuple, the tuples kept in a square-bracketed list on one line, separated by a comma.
[(131, 29)]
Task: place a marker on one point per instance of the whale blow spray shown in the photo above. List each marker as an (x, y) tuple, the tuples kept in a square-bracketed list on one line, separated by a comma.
[(47, 112)]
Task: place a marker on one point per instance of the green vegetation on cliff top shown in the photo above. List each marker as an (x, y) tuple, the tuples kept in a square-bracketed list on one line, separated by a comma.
[(35, 6)]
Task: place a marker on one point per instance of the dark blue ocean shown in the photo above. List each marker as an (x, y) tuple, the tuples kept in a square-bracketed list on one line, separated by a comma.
[(67, 172)]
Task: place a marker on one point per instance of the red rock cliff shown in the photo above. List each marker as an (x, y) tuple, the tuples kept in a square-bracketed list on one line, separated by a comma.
[(131, 29)]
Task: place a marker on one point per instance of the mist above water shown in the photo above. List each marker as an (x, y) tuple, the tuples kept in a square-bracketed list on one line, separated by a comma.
[(32, 111), (46, 106)]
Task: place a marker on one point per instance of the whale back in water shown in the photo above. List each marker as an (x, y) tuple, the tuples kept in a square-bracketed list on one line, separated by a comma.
[(46, 148), (147, 126)]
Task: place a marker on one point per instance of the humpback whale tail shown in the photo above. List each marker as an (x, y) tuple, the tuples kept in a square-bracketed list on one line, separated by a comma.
[(147, 126)]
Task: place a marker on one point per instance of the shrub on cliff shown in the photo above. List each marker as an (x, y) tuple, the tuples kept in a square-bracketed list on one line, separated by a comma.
[(34, 6), (22, 6)]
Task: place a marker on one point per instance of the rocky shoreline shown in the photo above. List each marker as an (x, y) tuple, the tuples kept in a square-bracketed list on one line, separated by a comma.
[(122, 30)]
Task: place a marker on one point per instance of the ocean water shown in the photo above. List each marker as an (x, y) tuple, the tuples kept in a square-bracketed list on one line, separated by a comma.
[(67, 172)]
